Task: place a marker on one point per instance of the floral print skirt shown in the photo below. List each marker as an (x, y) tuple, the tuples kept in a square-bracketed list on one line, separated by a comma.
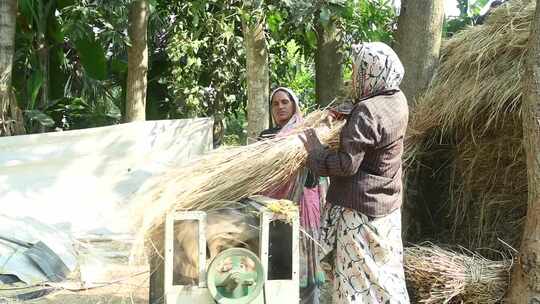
[(368, 256)]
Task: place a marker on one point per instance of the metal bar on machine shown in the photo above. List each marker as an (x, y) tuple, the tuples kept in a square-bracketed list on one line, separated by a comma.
[(265, 218)]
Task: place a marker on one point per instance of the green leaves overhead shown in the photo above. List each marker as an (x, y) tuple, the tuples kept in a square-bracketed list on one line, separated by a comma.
[(77, 113), (33, 86), (119, 66), (57, 75), (54, 30), (476, 7), (375, 20), (60, 4), (61, 50), (209, 60), (469, 13), (274, 20), (196, 53), (92, 56), (358, 20), (39, 117), (207, 45), (311, 37), (28, 9)]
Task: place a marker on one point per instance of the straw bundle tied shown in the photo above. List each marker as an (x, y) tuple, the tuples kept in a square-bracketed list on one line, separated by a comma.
[(465, 134), (226, 175), (436, 275)]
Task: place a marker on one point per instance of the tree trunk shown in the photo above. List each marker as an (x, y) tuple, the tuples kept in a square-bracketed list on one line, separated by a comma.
[(328, 64), (11, 121), (418, 41), (137, 61), (257, 79), (525, 284), (43, 55)]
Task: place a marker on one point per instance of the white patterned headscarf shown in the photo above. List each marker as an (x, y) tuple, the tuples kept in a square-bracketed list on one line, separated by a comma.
[(296, 117), (376, 69)]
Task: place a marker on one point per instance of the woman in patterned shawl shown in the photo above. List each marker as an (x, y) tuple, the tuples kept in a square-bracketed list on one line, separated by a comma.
[(361, 222)]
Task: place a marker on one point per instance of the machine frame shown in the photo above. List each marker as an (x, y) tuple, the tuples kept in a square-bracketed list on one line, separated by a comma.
[(274, 291)]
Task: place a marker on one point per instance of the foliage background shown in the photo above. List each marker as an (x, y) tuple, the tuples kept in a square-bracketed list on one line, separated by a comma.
[(71, 55)]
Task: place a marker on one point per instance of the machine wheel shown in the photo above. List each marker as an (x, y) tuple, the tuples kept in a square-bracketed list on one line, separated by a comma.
[(235, 276)]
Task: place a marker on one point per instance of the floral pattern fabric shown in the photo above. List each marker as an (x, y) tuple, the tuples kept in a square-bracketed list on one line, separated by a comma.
[(368, 256)]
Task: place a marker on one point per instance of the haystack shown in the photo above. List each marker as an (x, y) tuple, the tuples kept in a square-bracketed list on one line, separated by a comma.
[(223, 176), (464, 158)]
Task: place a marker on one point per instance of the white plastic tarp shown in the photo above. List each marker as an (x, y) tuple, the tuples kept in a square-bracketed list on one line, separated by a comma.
[(80, 182)]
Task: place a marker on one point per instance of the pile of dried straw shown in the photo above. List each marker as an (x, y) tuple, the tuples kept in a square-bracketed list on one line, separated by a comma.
[(465, 136), (436, 275), (226, 175)]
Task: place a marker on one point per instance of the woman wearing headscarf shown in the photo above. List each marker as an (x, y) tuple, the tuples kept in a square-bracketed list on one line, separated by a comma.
[(362, 219), (305, 189)]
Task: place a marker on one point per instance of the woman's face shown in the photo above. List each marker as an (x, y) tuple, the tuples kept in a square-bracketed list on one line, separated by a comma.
[(282, 108)]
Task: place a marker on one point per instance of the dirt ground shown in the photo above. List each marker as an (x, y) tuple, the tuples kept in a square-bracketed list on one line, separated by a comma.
[(130, 286), (134, 292)]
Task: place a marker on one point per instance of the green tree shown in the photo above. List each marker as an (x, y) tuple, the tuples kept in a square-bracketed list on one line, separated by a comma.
[(469, 12), (61, 76), (207, 50), (137, 61)]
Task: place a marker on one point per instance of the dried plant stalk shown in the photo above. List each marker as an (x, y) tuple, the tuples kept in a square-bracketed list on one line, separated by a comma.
[(467, 130), (436, 275), (227, 175)]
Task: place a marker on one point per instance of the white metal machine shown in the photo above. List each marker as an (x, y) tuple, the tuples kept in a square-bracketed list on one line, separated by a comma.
[(239, 275)]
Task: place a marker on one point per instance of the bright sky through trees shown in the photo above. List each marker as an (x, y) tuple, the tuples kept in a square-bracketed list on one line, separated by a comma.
[(450, 7)]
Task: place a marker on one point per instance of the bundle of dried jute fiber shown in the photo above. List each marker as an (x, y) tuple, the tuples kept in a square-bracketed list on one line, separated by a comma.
[(466, 134), (436, 275), (227, 175)]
